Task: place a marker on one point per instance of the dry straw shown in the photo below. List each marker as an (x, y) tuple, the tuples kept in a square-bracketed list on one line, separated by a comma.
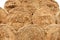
[(6, 33), (53, 32), (31, 32)]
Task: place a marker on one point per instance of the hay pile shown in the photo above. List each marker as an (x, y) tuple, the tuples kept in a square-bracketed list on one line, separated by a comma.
[(30, 20)]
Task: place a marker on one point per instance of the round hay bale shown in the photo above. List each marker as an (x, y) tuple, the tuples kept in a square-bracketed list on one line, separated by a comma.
[(6, 33), (31, 32), (18, 17), (53, 32), (43, 19)]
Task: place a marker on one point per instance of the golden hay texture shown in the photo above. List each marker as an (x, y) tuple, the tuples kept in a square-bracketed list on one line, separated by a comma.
[(31, 32), (10, 4), (43, 10), (58, 17), (15, 26), (3, 15), (42, 18), (52, 5), (32, 5), (30, 20), (6, 33), (53, 32), (18, 17)]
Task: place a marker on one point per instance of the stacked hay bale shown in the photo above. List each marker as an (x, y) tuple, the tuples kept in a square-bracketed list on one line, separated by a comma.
[(30, 20)]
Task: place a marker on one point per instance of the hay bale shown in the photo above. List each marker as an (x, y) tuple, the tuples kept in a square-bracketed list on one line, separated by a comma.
[(42, 18), (53, 32), (31, 32), (18, 17), (6, 33)]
